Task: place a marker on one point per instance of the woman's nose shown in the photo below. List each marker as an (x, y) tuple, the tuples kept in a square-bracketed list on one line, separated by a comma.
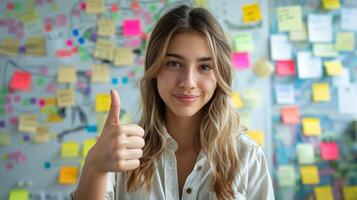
[(188, 78)]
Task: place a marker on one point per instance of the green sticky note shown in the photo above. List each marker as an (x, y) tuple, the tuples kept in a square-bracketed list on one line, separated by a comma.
[(19, 194), (40, 81), (2, 100), (54, 7), (243, 42), (153, 8), (17, 6), (115, 16), (25, 101), (2, 112), (4, 91)]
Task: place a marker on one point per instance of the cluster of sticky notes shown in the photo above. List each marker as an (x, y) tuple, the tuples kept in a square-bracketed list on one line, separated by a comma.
[(102, 102), (309, 174), (251, 13), (256, 135), (21, 80), (311, 126), (321, 92), (68, 175)]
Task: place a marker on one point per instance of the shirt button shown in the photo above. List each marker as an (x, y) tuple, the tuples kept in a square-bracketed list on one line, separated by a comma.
[(189, 190), (199, 168)]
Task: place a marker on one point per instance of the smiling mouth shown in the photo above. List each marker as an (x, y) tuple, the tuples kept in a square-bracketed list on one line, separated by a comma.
[(186, 98)]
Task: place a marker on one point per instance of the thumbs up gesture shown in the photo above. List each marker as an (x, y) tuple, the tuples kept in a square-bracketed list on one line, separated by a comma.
[(119, 147)]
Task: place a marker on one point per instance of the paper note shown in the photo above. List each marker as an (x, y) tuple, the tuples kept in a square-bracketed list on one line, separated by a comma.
[(123, 56), (106, 27), (102, 102), (104, 49), (100, 73), (5, 139), (289, 18), (290, 115), (320, 27), (69, 149), (321, 92), (280, 47), (305, 153), (256, 135), (252, 97), (94, 6), (309, 175), (237, 100), (19, 194), (68, 175), (42, 135), (285, 94), (298, 35), (333, 67), (27, 123), (243, 42), (87, 145), (329, 151), (347, 95), (350, 192), (331, 4), (67, 74), (324, 50), (343, 79), (309, 67), (9, 47), (263, 67), (241, 60), (65, 98), (36, 46), (345, 41), (131, 27), (21, 80), (286, 175), (348, 19), (285, 67), (311, 126), (251, 13), (30, 14), (323, 192)]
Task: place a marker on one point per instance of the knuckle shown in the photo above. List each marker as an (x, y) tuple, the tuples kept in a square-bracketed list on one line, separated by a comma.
[(120, 165)]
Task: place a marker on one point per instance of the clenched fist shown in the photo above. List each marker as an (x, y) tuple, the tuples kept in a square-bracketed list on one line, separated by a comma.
[(119, 147)]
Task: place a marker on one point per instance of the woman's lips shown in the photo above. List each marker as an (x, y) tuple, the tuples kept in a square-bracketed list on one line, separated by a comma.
[(186, 98)]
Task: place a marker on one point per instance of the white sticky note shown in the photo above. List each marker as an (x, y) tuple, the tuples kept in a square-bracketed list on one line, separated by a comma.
[(347, 96), (309, 66), (280, 47), (319, 27), (348, 19), (286, 175), (285, 94), (343, 79), (305, 153)]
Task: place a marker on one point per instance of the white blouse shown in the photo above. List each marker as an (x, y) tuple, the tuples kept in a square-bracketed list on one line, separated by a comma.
[(253, 181)]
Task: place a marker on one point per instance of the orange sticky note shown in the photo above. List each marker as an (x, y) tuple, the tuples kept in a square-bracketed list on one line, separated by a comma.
[(68, 175), (309, 174), (350, 192), (21, 81), (257, 136), (329, 151), (311, 126), (102, 102), (290, 115), (323, 193), (321, 92)]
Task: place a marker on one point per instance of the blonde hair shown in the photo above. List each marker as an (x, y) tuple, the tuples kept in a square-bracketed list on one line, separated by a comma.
[(219, 122)]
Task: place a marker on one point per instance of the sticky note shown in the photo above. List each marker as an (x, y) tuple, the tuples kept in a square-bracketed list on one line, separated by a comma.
[(321, 92), (309, 67), (35, 46), (237, 100), (69, 149), (290, 115), (87, 145), (131, 27), (324, 50), (311, 126), (123, 56), (305, 153), (256, 135), (106, 27), (348, 18), (5, 139), (42, 135), (19, 194), (94, 6), (252, 97), (350, 192), (289, 18), (67, 74), (309, 174), (346, 99), (345, 41), (243, 42), (100, 73), (333, 67), (104, 49), (331, 4), (21, 80), (286, 175), (263, 67), (329, 151), (298, 35), (251, 13), (241, 60), (285, 94), (102, 102), (319, 27), (27, 123), (323, 193), (9, 47), (280, 48), (68, 175), (285, 67), (65, 98)]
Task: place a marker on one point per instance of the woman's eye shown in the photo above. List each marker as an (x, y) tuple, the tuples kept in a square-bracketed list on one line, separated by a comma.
[(173, 64), (206, 67)]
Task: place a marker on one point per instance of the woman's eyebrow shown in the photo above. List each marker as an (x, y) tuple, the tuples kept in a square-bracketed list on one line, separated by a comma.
[(183, 58)]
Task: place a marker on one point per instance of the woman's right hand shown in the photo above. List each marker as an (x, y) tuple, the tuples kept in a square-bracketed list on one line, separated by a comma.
[(119, 147)]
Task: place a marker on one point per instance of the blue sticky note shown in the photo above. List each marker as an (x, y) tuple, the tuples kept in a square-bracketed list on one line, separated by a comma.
[(114, 81), (75, 32), (92, 128)]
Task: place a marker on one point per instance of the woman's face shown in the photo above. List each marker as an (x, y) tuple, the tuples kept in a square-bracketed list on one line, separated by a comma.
[(186, 81)]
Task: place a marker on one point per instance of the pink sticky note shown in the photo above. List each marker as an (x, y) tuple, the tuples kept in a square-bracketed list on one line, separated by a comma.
[(131, 27), (21, 81), (285, 67), (61, 20), (13, 120), (9, 166), (69, 43), (329, 151), (241, 60), (51, 88), (43, 71)]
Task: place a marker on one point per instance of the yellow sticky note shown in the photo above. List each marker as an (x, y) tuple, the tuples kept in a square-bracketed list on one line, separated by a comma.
[(19, 194), (309, 174), (65, 98), (68, 175), (321, 92), (9, 47), (324, 50), (333, 67), (87, 145), (257, 136), (102, 102), (286, 175), (30, 14), (94, 6), (289, 18), (350, 192), (27, 123), (106, 27), (251, 13), (345, 41), (36, 46), (298, 35), (81, 163), (311, 126), (331, 4), (243, 42), (104, 49), (42, 135), (201, 3), (237, 100), (5, 139), (100, 73), (323, 193), (69, 149), (67, 75), (123, 56)]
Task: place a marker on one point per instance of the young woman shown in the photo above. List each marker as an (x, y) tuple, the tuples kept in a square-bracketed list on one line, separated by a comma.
[(189, 142)]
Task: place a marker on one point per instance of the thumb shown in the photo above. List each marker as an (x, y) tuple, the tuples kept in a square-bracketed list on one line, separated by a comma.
[(114, 111)]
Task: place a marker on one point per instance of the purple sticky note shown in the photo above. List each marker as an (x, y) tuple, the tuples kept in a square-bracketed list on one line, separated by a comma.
[(2, 124), (22, 49), (241, 60), (131, 27), (33, 100), (26, 137)]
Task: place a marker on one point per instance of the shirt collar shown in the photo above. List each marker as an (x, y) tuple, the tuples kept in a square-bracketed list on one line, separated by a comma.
[(171, 143)]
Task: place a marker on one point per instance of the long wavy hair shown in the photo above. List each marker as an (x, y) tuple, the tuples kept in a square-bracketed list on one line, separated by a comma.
[(219, 124)]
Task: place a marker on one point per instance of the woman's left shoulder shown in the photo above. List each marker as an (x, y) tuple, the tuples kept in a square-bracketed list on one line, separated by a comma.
[(248, 150)]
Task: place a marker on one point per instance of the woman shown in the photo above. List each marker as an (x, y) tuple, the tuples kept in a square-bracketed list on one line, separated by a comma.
[(188, 144)]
